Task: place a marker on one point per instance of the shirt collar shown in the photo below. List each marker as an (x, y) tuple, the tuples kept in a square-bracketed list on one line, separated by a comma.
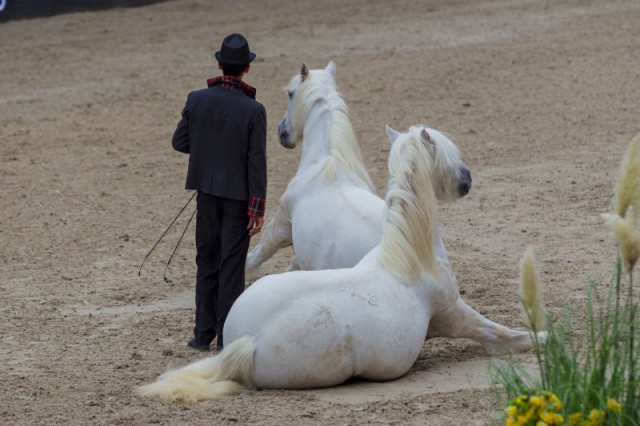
[(230, 82)]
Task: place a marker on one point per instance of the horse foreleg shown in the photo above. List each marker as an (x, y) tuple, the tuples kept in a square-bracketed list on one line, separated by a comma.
[(294, 265), (276, 235), (462, 321)]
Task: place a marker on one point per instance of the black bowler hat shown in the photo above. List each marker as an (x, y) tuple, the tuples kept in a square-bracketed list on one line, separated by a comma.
[(235, 51)]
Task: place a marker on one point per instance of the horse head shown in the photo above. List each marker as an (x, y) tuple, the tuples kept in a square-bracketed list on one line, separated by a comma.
[(424, 167), (290, 128), (451, 177)]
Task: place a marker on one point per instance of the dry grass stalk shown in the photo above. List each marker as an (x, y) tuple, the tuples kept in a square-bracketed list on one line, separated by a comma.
[(627, 235), (627, 189), (530, 292)]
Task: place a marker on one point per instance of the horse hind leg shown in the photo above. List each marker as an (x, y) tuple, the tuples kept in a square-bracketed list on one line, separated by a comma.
[(462, 321), (276, 235)]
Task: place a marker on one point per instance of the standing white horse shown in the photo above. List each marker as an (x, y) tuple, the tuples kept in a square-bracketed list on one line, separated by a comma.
[(329, 211), (368, 321)]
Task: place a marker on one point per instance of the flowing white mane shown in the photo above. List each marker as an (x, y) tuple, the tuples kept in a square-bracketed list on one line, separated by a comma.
[(447, 158), (408, 241), (345, 152)]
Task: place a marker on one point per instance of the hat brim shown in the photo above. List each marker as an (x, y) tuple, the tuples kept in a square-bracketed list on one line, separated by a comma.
[(224, 60)]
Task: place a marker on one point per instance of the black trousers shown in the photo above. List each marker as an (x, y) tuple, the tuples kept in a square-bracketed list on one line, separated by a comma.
[(222, 242)]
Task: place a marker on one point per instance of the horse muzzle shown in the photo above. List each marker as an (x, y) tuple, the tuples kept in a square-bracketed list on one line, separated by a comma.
[(465, 182), (283, 134)]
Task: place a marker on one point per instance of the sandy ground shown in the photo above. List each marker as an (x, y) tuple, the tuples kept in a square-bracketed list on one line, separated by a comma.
[(541, 97)]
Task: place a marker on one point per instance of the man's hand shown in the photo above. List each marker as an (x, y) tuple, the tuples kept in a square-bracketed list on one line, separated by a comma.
[(255, 225)]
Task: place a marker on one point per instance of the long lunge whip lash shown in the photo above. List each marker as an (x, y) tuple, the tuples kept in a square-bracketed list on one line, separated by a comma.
[(165, 233)]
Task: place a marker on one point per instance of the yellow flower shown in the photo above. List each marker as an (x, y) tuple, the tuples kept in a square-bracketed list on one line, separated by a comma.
[(596, 417), (538, 410), (553, 399), (529, 414), (575, 418), (536, 400), (522, 399), (613, 405), (551, 418)]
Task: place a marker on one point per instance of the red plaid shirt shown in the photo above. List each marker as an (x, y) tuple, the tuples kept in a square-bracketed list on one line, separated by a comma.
[(256, 205), (230, 82)]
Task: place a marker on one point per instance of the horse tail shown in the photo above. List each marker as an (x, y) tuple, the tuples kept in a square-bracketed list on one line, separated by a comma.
[(227, 373)]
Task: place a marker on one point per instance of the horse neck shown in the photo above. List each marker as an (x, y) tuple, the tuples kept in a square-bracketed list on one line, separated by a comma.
[(438, 244), (330, 145), (411, 245), (317, 131)]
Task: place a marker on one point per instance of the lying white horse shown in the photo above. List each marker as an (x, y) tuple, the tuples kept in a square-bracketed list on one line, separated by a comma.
[(329, 211), (368, 321)]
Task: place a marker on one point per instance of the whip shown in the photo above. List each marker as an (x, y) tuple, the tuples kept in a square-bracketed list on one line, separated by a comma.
[(165, 233), (176, 247)]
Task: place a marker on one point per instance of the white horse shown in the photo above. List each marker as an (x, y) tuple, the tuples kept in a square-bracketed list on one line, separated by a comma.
[(329, 210), (368, 321)]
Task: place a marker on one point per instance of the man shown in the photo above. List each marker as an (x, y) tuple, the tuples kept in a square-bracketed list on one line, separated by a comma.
[(223, 129)]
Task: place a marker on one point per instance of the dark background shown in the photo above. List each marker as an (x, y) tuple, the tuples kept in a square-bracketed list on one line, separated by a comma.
[(23, 9)]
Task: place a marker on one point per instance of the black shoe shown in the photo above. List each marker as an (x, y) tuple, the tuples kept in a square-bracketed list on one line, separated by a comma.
[(197, 345)]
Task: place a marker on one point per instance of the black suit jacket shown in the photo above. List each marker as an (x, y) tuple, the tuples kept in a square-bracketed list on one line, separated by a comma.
[(224, 132)]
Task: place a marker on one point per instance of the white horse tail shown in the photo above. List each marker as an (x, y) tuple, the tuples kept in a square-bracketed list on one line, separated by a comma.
[(228, 373)]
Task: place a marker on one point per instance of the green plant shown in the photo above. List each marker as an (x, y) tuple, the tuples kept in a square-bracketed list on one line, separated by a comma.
[(594, 376)]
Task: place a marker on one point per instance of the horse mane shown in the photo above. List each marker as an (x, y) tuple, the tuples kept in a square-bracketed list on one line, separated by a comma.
[(407, 246), (344, 149)]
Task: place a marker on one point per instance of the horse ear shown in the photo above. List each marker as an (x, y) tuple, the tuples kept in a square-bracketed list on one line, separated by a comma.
[(427, 141), (304, 72), (331, 68), (393, 134)]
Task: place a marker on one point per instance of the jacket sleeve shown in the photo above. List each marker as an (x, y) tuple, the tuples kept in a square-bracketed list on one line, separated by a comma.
[(257, 163), (180, 139)]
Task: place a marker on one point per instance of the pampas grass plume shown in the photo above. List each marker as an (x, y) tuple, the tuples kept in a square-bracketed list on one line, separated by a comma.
[(627, 236), (627, 190), (530, 292)]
